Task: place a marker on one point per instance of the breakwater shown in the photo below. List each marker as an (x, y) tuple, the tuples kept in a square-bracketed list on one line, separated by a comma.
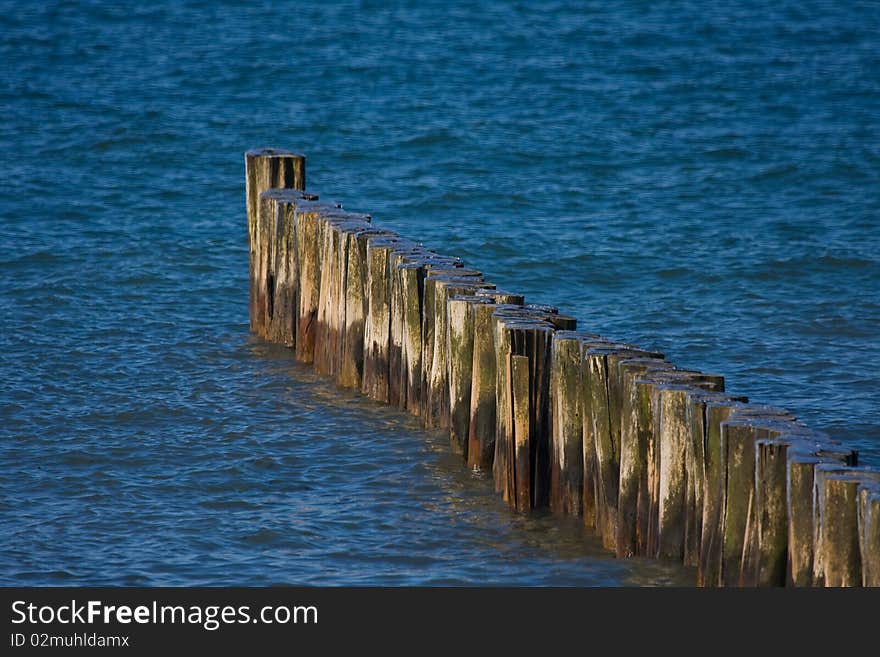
[(660, 460)]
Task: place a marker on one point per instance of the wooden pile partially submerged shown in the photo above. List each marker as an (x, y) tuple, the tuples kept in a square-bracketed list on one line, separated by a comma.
[(661, 461)]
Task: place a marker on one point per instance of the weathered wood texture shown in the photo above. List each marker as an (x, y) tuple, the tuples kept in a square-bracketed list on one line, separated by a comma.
[(275, 276), (482, 421), (566, 445), (658, 460), (521, 426), (869, 533), (265, 169)]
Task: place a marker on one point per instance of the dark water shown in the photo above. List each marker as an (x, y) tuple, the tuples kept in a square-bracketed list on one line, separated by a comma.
[(698, 179)]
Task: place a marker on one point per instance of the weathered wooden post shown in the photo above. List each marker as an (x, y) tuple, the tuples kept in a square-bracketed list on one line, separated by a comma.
[(674, 437), (699, 463), (633, 453), (309, 218), (605, 403), (709, 566), (330, 320), (673, 456), (800, 484), (771, 512), (482, 423), (739, 438), (437, 398), (412, 275), (667, 400), (591, 481), (775, 455), (800, 507), (738, 434), (566, 447), (349, 226), (535, 342), (377, 328), (327, 261), (275, 274), (354, 339), (502, 464), (505, 324), (266, 168), (836, 516), (461, 312), (401, 257), (869, 533), (406, 271), (607, 465), (520, 422)]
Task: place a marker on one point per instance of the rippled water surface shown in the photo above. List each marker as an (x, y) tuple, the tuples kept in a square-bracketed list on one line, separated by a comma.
[(701, 180)]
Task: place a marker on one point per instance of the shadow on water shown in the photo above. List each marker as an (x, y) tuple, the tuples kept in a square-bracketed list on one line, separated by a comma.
[(461, 532)]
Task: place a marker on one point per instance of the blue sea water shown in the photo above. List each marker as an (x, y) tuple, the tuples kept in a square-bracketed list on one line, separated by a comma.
[(701, 178)]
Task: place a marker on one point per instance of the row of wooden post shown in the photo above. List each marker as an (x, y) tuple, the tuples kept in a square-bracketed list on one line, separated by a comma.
[(659, 460)]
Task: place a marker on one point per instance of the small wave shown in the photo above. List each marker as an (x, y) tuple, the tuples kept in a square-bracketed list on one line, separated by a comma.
[(263, 536), (728, 153), (775, 172)]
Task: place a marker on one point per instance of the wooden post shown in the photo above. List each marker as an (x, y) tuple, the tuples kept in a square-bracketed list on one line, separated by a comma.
[(412, 277), (502, 465), (266, 168), (520, 422), (709, 566), (537, 345), (674, 437), (377, 330), (667, 456), (349, 226), (869, 533), (461, 311), (771, 494), (648, 391), (419, 265), (403, 264), (837, 547), (610, 444), (633, 452), (505, 322), (430, 339), (698, 465), (591, 481), (739, 436), (437, 399), (801, 508), (407, 271), (766, 556), (566, 448), (275, 274), (533, 338), (482, 423), (308, 256), (351, 371), (606, 401), (330, 320), (607, 465)]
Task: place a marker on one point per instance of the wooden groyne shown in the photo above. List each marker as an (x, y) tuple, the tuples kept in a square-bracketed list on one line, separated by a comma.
[(661, 461)]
